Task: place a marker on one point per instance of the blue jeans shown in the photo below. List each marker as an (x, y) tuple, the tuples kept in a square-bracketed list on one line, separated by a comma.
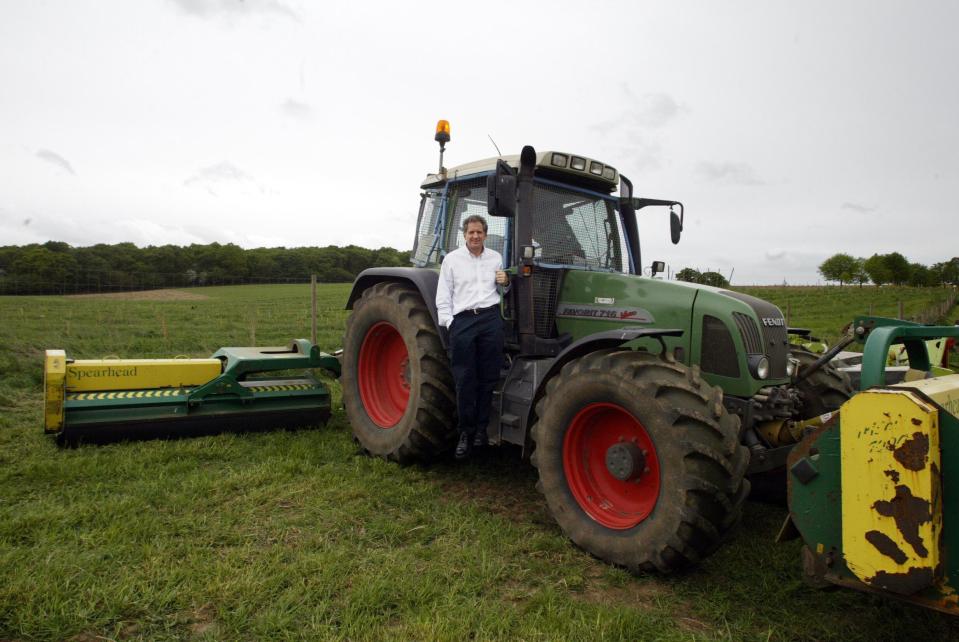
[(476, 357)]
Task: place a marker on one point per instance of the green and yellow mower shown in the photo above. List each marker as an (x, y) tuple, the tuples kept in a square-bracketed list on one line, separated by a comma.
[(872, 490), (235, 389)]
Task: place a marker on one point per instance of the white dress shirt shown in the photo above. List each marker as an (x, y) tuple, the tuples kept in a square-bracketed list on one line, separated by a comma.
[(466, 282)]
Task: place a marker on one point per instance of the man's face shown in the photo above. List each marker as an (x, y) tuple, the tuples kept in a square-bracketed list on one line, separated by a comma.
[(475, 236)]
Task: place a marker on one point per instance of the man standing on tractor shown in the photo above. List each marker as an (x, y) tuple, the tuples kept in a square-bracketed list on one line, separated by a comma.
[(467, 304)]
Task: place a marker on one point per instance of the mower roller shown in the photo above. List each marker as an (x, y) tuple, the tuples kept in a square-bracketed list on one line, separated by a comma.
[(869, 488), (235, 389)]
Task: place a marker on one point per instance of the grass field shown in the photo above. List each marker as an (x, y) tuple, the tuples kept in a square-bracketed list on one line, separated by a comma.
[(825, 310), (294, 535)]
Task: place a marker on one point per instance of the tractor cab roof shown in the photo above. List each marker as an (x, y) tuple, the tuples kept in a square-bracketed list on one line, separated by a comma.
[(560, 166)]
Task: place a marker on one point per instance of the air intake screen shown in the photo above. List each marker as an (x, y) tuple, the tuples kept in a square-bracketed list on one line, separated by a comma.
[(545, 291), (718, 352), (749, 333)]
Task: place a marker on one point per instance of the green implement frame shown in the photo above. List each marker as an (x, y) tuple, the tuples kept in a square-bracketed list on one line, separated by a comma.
[(255, 390)]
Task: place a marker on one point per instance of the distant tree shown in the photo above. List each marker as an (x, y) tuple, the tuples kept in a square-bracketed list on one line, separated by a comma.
[(899, 267), (875, 266), (714, 279), (839, 267), (689, 275), (921, 276), (860, 275), (950, 271)]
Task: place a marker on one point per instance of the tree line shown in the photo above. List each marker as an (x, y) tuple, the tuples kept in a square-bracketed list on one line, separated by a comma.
[(892, 268), (709, 277), (57, 268)]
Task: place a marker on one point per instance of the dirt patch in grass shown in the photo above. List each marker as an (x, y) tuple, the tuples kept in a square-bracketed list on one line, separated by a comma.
[(600, 588), (144, 295), (520, 503), (202, 619)]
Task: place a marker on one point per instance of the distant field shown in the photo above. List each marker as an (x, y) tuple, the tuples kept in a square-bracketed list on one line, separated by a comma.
[(825, 310), (293, 535)]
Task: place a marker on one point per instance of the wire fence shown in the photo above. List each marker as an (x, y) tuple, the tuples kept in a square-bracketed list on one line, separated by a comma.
[(28, 285)]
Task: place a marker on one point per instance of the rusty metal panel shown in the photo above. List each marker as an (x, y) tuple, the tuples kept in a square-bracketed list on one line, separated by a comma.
[(891, 490)]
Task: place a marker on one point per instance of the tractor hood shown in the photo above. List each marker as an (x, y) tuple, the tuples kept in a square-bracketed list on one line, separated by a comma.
[(724, 332)]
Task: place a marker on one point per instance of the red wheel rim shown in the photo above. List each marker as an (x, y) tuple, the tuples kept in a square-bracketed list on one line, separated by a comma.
[(384, 376), (608, 500)]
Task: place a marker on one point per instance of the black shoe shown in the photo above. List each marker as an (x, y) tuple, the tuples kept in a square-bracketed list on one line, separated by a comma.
[(480, 440), (463, 447)]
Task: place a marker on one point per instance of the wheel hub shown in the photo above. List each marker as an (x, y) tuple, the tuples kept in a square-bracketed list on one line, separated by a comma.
[(625, 461), (611, 465)]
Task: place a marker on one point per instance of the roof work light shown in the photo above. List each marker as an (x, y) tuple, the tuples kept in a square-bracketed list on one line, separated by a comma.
[(442, 137), (442, 132)]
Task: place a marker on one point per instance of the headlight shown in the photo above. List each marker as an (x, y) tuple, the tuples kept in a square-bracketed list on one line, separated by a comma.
[(791, 365), (762, 368), (759, 365)]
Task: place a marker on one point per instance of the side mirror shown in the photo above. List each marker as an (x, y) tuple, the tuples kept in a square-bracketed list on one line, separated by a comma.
[(501, 191), (657, 267), (675, 227)]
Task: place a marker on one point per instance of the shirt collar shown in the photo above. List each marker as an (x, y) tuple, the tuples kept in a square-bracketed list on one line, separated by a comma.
[(481, 254)]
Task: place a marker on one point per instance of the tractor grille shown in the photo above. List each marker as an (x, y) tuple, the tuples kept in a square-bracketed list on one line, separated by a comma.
[(545, 293), (749, 333), (719, 352), (777, 349), (775, 343)]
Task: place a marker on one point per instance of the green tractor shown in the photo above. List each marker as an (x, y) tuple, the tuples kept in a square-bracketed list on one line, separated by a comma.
[(644, 404)]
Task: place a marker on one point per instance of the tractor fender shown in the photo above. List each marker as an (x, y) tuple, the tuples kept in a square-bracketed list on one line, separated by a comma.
[(423, 279), (592, 343)]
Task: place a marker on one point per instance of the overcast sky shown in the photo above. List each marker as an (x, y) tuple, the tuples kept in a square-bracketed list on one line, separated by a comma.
[(791, 130)]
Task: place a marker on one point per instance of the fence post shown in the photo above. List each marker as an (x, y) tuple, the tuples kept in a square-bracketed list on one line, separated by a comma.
[(313, 308), (788, 312)]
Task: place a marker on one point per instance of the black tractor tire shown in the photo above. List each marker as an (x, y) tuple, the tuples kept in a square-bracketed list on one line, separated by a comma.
[(685, 488), (397, 385), (824, 390)]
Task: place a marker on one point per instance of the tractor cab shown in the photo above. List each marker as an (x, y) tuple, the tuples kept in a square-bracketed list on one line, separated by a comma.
[(575, 223)]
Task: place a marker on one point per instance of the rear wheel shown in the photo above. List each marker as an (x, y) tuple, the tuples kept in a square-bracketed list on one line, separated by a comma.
[(639, 461), (397, 385)]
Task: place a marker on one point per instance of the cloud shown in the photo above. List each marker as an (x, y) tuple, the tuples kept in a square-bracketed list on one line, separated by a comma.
[(732, 173), (296, 109), (774, 254), (857, 207), (655, 110), (647, 111), (220, 175), (233, 8), (55, 159)]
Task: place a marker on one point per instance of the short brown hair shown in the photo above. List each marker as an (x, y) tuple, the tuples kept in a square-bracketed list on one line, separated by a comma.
[(475, 218)]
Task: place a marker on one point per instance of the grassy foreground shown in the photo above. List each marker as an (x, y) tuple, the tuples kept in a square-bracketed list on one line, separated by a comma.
[(293, 535)]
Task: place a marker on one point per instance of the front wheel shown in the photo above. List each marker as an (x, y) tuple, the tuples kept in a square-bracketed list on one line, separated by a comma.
[(824, 390), (638, 460)]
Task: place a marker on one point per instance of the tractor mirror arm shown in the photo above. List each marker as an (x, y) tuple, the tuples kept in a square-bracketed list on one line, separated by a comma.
[(676, 220)]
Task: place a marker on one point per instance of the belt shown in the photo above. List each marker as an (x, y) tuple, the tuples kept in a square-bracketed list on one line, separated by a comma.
[(476, 311)]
